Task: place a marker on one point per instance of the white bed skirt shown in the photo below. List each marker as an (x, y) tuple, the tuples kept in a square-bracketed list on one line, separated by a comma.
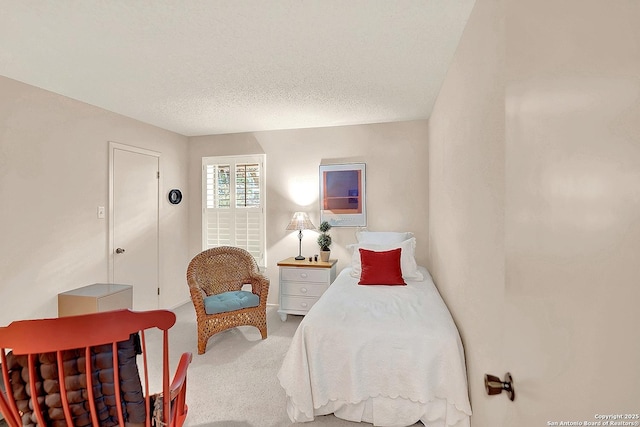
[(387, 412)]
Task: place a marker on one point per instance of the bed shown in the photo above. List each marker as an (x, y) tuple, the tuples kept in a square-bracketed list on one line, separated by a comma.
[(382, 354)]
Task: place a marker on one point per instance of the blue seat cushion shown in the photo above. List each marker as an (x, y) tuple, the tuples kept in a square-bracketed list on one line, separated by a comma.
[(230, 301)]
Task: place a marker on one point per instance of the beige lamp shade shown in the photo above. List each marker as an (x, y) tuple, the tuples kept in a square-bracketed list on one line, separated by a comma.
[(300, 221)]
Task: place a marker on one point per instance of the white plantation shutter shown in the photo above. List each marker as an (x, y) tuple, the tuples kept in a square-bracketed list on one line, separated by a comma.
[(233, 204), (218, 228)]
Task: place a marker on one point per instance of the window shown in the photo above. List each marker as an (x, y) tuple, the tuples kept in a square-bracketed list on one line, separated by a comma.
[(233, 204)]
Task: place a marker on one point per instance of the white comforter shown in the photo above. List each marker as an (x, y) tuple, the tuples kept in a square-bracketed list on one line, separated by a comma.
[(388, 355)]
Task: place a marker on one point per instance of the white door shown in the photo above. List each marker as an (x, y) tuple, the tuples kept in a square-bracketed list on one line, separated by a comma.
[(572, 217), (134, 243)]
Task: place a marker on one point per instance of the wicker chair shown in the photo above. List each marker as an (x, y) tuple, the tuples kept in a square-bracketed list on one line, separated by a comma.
[(225, 269)]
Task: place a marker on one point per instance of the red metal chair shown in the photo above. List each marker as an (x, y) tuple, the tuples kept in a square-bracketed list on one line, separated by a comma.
[(44, 352)]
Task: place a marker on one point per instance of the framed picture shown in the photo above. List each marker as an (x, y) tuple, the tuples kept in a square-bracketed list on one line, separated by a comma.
[(342, 195)]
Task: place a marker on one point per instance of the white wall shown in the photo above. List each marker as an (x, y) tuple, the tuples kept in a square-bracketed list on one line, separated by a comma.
[(466, 187), (53, 175), (534, 206), (396, 171)]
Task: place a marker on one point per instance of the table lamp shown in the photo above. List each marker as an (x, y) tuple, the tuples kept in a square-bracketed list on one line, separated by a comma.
[(300, 221)]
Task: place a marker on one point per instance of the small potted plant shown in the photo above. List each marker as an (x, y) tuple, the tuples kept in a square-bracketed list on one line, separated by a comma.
[(324, 241)]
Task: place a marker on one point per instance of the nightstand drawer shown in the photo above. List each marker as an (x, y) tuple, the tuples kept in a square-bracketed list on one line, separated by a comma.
[(320, 275), (302, 289), (302, 283), (300, 304)]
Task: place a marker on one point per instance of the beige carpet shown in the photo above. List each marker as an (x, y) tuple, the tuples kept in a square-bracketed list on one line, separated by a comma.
[(234, 383)]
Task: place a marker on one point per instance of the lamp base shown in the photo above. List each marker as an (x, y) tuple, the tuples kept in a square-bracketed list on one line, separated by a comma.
[(299, 257)]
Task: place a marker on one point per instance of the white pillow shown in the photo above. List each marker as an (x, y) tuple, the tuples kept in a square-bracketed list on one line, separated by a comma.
[(407, 257), (382, 237)]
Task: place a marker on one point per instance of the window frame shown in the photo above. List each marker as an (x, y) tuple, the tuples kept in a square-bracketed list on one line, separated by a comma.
[(233, 162)]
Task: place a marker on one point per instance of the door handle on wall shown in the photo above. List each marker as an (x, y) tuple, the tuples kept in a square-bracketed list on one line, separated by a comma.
[(119, 251), (493, 385)]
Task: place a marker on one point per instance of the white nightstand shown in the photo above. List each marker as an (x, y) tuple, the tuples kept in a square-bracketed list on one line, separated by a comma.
[(302, 283)]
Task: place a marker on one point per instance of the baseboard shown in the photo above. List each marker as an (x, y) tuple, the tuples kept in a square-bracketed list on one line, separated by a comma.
[(180, 304)]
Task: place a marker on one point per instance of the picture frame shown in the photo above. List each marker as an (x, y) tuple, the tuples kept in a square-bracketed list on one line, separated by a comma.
[(343, 194)]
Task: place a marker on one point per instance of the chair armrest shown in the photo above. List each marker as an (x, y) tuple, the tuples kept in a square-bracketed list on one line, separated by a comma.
[(259, 285), (197, 294), (178, 391), (180, 376)]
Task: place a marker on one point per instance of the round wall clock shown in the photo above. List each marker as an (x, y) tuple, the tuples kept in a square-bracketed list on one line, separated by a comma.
[(175, 196)]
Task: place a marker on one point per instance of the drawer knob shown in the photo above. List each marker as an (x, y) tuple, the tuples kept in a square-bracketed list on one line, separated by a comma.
[(304, 304), (303, 290), (303, 275)]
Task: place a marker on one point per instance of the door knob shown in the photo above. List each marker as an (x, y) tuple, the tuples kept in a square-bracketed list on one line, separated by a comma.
[(119, 251), (493, 385)]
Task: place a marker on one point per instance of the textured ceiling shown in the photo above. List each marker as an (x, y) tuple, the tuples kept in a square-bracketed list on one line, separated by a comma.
[(222, 66)]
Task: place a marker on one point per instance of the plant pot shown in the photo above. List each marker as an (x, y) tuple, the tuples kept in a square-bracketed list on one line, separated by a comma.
[(324, 255)]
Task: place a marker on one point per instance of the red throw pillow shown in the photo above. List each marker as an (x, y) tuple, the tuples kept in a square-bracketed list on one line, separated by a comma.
[(381, 268)]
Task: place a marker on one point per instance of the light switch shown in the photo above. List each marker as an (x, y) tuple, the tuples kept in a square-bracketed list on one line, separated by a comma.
[(100, 212)]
